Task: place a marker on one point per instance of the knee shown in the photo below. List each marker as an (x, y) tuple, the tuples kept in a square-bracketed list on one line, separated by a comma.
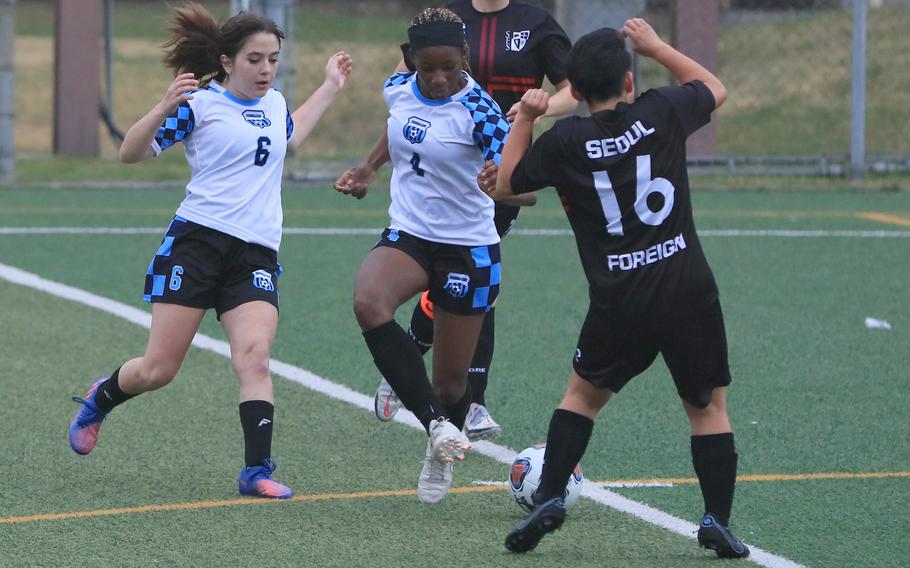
[(252, 362), (370, 310)]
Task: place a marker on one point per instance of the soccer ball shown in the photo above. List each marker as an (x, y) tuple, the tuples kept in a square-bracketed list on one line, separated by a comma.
[(524, 477)]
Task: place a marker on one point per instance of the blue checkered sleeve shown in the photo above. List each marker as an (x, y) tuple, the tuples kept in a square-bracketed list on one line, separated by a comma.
[(176, 127), (396, 79), (289, 123), (490, 126)]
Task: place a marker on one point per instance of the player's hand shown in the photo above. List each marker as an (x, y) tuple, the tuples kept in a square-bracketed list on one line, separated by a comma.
[(338, 69), (356, 181), (178, 91), (644, 39), (486, 179), (533, 104), (513, 112)]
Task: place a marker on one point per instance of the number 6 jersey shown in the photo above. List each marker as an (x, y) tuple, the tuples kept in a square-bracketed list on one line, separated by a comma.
[(621, 175), (437, 148), (235, 149)]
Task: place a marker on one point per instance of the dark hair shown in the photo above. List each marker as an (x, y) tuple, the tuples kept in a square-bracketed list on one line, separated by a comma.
[(198, 41), (598, 64), (434, 15)]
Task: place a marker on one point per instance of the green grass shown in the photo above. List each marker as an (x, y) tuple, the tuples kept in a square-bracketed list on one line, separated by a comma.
[(813, 392)]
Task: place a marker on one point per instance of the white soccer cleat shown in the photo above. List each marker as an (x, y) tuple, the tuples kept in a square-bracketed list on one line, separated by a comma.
[(443, 447), (386, 403), (480, 425)]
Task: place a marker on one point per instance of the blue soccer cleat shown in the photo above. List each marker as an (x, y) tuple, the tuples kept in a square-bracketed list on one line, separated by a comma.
[(546, 518), (87, 422), (257, 481), (717, 537)]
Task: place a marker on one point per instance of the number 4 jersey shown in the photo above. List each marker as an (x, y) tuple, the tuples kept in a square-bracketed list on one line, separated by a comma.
[(235, 148), (621, 176)]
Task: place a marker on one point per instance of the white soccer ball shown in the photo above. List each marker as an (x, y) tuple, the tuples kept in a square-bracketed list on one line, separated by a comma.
[(524, 477)]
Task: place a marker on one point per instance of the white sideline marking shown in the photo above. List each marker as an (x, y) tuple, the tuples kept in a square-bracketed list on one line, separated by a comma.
[(362, 401), (341, 231)]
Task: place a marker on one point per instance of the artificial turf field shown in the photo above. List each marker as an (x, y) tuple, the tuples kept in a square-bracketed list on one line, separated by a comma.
[(818, 403)]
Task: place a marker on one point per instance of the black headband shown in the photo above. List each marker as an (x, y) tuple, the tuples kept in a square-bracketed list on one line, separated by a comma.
[(434, 34)]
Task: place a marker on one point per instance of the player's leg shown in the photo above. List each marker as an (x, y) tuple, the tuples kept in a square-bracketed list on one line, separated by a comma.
[(608, 356), (567, 439), (386, 402), (250, 329), (455, 338), (480, 424), (696, 354), (387, 278), (170, 336)]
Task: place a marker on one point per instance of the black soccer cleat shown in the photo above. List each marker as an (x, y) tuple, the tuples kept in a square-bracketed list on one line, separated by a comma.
[(546, 518), (720, 539)]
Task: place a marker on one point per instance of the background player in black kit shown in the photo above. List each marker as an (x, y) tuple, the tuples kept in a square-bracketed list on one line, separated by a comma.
[(512, 46), (621, 174)]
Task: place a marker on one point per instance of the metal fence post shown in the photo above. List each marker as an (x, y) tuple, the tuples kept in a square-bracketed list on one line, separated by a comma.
[(7, 91), (858, 92)]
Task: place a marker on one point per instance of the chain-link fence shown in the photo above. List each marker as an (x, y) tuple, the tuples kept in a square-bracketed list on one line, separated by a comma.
[(788, 69), (787, 66)]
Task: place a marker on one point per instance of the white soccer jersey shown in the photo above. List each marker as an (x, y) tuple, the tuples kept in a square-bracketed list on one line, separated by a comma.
[(236, 151), (437, 148)]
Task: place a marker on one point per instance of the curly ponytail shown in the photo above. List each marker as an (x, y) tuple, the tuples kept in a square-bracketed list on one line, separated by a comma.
[(198, 41)]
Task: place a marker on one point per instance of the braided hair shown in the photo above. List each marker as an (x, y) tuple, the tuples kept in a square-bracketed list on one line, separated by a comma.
[(433, 15)]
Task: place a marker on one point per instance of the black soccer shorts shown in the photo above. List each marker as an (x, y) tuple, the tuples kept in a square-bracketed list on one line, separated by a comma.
[(463, 279), (199, 267), (611, 353)]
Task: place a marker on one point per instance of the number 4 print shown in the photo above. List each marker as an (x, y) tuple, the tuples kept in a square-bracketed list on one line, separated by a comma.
[(644, 187), (415, 164)]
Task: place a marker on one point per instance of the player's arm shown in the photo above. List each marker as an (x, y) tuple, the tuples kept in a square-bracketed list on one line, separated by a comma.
[(137, 143), (356, 180), (562, 103), (645, 41), (533, 105), (307, 116)]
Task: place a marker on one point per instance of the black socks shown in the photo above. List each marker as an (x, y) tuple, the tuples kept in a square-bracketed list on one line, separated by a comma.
[(421, 328), (567, 441), (401, 363), (109, 394), (714, 457), (479, 373), (257, 417)]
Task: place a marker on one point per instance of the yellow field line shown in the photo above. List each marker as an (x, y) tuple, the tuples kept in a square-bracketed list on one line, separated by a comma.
[(407, 492), (888, 218)]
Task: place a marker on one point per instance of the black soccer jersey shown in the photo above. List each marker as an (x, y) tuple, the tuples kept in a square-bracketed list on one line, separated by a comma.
[(513, 49), (621, 175)]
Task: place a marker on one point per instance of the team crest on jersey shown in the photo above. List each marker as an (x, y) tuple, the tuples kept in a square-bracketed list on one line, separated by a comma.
[(515, 41), (457, 284), (416, 130), (256, 118), (521, 467), (262, 279)]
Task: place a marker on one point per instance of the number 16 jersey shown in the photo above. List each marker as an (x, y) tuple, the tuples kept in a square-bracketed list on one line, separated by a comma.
[(621, 175)]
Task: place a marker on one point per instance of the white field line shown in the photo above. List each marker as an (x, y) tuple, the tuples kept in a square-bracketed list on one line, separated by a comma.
[(341, 231), (364, 402)]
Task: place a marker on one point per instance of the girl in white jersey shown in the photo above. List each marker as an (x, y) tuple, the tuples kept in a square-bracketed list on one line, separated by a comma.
[(220, 251), (442, 127)]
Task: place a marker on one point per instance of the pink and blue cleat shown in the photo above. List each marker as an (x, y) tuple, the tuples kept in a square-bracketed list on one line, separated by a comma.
[(87, 422), (257, 481)]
